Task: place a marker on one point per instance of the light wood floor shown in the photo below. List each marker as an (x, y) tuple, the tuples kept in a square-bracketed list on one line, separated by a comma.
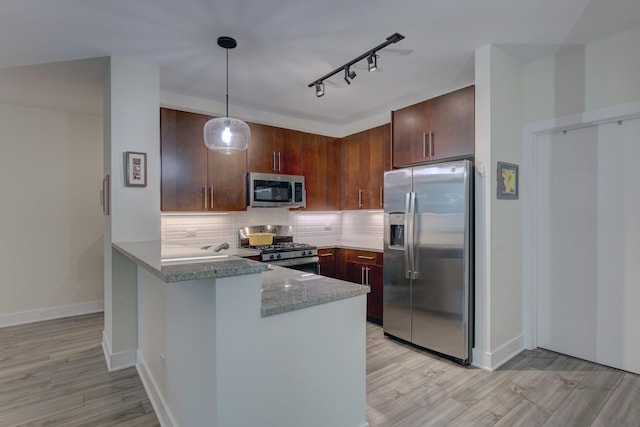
[(407, 387), (53, 373)]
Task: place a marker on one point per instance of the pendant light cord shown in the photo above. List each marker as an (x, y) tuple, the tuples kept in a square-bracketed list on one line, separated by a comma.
[(227, 82)]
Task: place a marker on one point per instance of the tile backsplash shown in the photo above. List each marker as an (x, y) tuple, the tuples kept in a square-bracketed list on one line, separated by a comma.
[(347, 228)]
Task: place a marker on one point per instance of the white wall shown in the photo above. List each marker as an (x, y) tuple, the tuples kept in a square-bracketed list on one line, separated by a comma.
[(583, 78), (499, 332), (131, 123), (50, 221)]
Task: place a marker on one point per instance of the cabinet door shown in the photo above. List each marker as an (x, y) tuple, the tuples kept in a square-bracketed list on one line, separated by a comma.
[(352, 193), (183, 161), (409, 127), (327, 262), (376, 159), (341, 263), (319, 161), (452, 123), (227, 181), (355, 272), (287, 149), (261, 152), (375, 297)]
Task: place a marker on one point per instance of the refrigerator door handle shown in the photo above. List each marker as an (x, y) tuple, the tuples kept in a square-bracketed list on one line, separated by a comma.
[(412, 231), (407, 243)]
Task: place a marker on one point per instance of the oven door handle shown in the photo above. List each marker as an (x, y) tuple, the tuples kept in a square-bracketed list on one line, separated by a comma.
[(294, 261)]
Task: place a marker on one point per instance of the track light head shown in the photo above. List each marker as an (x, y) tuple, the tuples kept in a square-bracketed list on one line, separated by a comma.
[(346, 75), (372, 62), (351, 73), (319, 89)]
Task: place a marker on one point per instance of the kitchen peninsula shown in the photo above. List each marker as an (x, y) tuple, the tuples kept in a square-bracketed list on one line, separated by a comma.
[(230, 341)]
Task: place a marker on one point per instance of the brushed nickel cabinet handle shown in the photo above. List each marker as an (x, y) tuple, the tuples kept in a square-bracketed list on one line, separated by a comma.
[(424, 144), (273, 162), (431, 144), (204, 198), (360, 198), (279, 162), (211, 197), (326, 254), (367, 275), (362, 275), (366, 257)]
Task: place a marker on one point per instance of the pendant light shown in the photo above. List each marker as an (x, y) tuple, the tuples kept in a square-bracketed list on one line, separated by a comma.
[(224, 134)]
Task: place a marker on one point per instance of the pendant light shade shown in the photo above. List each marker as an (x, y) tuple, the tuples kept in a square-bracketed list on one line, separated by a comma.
[(224, 134)]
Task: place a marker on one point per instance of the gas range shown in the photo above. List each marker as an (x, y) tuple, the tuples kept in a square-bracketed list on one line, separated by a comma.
[(286, 250), (283, 252)]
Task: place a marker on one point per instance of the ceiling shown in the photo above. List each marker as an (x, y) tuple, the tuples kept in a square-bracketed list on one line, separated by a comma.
[(283, 45)]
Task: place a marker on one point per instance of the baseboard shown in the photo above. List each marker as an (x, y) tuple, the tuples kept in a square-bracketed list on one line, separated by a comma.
[(50, 313), (478, 359), (117, 361), (505, 352), (155, 397)]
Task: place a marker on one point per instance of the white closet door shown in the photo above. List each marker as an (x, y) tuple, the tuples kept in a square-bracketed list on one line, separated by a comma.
[(619, 245), (566, 247), (588, 243)]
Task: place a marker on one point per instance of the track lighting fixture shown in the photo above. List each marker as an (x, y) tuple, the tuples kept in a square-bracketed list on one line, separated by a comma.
[(372, 64), (349, 74)]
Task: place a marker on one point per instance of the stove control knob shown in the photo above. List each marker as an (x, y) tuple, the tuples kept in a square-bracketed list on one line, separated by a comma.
[(278, 256), (271, 256)]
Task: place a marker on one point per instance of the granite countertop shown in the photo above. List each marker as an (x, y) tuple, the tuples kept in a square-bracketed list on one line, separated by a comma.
[(359, 248), (199, 265), (284, 290)]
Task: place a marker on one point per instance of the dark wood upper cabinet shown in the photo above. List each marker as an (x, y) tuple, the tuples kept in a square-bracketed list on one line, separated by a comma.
[(193, 177), (184, 161), (260, 155), (436, 129), (319, 160), (273, 150), (364, 157), (288, 151)]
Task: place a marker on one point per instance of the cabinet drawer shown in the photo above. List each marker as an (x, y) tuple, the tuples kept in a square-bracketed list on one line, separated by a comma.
[(364, 257)]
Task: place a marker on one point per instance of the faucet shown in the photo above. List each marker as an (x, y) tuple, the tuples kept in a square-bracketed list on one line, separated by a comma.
[(217, 248)]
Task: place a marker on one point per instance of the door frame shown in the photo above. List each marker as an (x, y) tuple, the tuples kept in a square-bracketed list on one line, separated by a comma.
[(531, 131)]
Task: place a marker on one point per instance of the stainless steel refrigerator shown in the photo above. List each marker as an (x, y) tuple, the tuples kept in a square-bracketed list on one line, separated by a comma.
[(428, 257)]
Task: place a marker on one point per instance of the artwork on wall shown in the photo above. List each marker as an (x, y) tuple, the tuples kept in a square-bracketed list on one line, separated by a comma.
[(135, 169), (508, 181)]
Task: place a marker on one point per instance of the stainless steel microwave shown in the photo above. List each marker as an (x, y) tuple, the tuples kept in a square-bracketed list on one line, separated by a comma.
[(266, 190)]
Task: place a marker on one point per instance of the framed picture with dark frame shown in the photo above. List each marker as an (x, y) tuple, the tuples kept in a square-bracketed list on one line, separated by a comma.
[(508, 181), (135, 169)]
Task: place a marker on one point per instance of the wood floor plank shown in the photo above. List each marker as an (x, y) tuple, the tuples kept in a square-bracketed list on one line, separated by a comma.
[(584, 403), (53, 373), (623, 406)]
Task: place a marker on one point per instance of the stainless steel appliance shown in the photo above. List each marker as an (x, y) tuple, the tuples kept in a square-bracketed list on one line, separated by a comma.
[(428, 257), (272, 190), (283, 252)]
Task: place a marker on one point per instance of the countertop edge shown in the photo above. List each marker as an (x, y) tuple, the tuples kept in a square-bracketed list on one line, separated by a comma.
[(285, 308), (201, 270), (357, 248)]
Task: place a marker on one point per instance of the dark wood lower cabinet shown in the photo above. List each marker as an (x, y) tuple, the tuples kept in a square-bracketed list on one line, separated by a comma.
[(371, 275), (327, 262)]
